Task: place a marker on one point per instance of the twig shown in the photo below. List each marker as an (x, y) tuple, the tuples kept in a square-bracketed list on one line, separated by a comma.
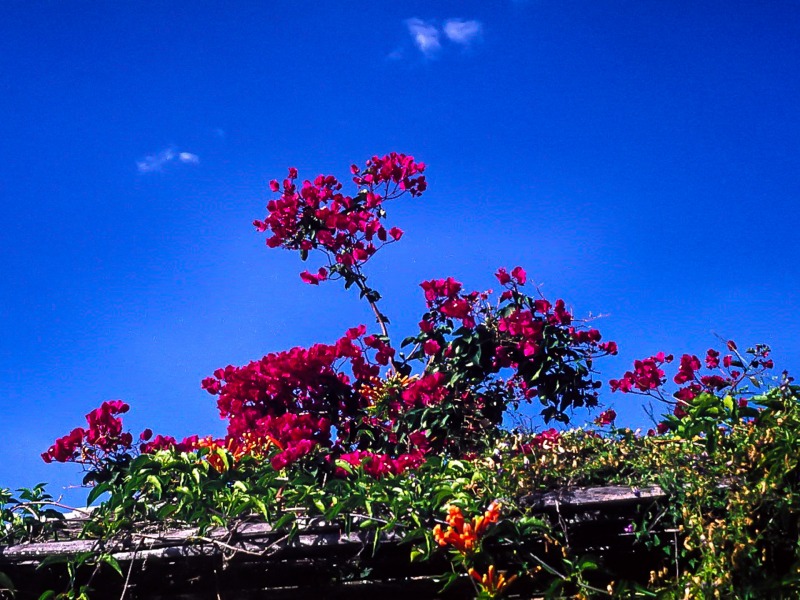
[(562, 523), (655, 522), (368, 518), (130, 570), (677, 556), (563, 577), (25, 505), (234, 549), (379, 317)]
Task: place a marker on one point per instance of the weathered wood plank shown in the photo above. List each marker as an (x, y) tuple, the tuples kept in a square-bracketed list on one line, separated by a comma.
[(256, 539), (592, 497), (315, 534)]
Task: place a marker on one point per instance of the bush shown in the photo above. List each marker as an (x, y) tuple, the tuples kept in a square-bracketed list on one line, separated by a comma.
[(409, 438)]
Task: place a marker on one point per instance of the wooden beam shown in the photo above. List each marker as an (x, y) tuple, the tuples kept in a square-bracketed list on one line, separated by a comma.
[(315, 537), (594, 497)]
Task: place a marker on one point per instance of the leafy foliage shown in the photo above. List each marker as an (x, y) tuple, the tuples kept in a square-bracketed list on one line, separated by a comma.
[(409, 439)]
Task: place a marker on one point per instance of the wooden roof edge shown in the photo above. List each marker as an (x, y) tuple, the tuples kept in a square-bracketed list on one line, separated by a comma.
[(261, 539), (592, 496), (252, 538)]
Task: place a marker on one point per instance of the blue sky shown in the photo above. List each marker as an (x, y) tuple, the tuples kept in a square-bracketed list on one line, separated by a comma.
[(640, 159)]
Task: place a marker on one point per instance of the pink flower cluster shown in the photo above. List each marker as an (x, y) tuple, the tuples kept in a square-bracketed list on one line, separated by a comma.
[(527, 324), (381, 465), (105, 429), (166, 442), (298, 381), (526, 328), (545, 439), (296, 397), (65, 448), (288, 400), (395, 169), (518, 276), (607, 417), (443, 297), (647, 375), (511, 335), (384, 353), (103, 435), (428, 390), (347, 228), (688, 365), (295, 435)]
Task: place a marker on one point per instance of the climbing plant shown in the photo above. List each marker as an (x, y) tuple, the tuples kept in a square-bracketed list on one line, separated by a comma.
[(407, 435)]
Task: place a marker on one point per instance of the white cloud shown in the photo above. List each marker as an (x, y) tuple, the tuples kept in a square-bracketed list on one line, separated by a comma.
[(188, 158), (462, 32), (154, 163), (425, 35)]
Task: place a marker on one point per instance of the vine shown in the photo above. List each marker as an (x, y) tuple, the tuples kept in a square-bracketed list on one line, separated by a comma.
[(409, 440)]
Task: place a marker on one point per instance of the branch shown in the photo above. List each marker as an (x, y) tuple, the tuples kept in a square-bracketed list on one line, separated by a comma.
[(367, 292), (379, 316)]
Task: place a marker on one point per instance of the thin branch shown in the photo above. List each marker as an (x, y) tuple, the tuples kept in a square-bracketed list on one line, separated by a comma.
[(130, 570), (677, 556), (368, 518), (379, 317), (562, 523), (563, 577), (235, 550), (27, 505)]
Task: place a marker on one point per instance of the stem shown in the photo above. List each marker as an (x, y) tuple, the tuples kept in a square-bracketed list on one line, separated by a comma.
[(360, 281), (26, 505), (130, 570), (373, 305)]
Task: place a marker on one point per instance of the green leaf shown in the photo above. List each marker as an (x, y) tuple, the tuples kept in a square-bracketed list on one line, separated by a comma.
[(587, 564), (142, 461), (6, 584), (261, 507), (96, 492), (283, 520), (53, 559), (334, 510), (345, 466), (155, 484), (728, 402), (165, 511), (111, 562)]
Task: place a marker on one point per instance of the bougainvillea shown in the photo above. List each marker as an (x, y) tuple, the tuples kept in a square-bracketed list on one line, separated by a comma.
[(475, 355), (103, 439), (404, 430), (699, 392)]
